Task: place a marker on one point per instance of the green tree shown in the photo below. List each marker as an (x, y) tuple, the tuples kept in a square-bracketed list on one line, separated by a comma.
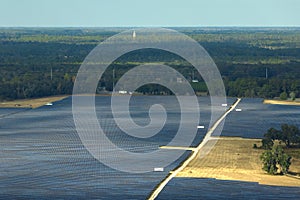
[(283, 96), (275, 161), (269, 162), (273, 134), (293, 96), (290, 134), (283, 160), (267, 143)]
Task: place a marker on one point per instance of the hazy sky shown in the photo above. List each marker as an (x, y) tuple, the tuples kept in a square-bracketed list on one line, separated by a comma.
[(149, 13)]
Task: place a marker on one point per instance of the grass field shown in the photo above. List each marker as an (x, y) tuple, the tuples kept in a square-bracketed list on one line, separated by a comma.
[(31, 103), (236, 159), (281, 102)]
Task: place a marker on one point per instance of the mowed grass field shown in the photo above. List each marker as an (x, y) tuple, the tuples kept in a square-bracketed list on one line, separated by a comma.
[(235, 159)]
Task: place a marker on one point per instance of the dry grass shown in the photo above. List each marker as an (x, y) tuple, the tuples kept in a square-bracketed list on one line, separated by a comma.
[(30, 103), (280, 102), (235, 159)]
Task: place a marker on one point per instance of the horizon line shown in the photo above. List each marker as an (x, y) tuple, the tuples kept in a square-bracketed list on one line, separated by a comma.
[(168, 26)]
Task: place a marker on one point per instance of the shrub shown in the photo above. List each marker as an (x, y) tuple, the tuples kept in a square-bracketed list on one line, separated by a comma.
[(283, 96)]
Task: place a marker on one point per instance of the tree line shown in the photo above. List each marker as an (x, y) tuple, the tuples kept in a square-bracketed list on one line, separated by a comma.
[(44, 62)]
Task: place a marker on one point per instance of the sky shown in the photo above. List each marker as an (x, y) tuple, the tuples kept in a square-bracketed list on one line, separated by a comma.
[(148, 13)]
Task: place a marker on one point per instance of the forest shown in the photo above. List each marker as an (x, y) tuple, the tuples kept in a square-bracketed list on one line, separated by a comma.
[(253, 62)]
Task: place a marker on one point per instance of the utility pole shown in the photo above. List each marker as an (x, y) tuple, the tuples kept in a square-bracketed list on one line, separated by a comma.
[(266, 73), (51, 74)]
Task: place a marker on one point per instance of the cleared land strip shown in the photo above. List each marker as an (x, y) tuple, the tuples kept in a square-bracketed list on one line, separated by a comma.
[(281, 102), (31, 103), (194, 153)]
